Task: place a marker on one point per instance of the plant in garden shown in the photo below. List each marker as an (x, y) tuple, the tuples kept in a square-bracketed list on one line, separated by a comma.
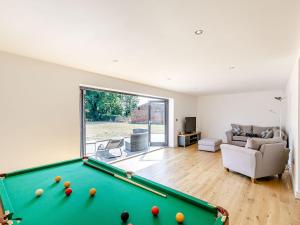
[(106, 106)]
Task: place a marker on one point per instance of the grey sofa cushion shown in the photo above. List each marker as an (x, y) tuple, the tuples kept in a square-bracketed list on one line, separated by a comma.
[(245, 128), (258, 130), (276, 132), (256, 143), (267, 133), (240, 138), (236, 131), (234, 126)]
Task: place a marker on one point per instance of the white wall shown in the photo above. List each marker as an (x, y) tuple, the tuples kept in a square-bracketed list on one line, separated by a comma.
[(39, 116), (217, 112), (292, 125)]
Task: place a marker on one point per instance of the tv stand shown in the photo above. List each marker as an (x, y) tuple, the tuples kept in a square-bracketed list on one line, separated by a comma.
[(188, 139)]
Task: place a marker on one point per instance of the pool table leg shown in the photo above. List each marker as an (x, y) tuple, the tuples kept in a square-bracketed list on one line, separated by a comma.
[(227, 221), (225, 215), (1, 209), (4, 219), (253, 180)]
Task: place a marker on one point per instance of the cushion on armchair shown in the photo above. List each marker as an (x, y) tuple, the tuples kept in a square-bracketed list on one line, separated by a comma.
[(256, 143)]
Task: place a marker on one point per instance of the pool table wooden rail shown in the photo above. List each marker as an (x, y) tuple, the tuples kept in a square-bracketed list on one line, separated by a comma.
[(221, 214)]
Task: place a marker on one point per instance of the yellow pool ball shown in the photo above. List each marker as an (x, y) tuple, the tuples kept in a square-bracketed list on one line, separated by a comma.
[(92, 192), (179, 217), (57, 179), (67, 184)]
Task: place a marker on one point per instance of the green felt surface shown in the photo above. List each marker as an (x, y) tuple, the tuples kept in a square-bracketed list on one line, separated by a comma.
[(113, 196)]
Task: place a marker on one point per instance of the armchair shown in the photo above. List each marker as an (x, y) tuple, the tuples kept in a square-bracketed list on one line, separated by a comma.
[(269, 160), (139, 140)]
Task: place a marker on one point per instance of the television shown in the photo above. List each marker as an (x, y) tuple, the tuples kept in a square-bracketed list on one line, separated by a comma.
[(190, 125)]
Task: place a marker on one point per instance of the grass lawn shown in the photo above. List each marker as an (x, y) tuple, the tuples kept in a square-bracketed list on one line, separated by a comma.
[(97, 131)]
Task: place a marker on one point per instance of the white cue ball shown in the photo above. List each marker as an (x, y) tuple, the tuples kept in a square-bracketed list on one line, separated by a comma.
[(39, 192)]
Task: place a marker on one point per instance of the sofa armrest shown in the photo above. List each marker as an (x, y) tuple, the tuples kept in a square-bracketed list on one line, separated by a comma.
[(229, 136), (275, 157), (284, 136), (241, 160)]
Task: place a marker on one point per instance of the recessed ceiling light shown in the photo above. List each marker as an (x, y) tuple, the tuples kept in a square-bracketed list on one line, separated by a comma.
[(232, 67), (199, 32), (115, 60)]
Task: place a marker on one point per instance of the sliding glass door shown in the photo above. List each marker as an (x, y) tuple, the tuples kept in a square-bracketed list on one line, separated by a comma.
[(158, 134), (139, 122)]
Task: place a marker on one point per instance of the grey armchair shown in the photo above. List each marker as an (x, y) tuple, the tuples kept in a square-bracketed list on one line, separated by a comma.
[(139, 140), (268, 160)]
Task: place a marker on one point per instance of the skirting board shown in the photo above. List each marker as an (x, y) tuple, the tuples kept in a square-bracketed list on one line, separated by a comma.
[(297, 194)]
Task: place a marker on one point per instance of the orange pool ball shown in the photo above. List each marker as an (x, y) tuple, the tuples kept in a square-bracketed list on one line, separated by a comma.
[(92, 192), (57, 179), (179, 217), (67, 184)]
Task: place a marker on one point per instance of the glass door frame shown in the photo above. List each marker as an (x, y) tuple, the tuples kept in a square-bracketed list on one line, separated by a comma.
[(166, 125), (83, 88)]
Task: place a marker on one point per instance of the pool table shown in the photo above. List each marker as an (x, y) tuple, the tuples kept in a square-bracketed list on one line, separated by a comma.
[(117, 191)]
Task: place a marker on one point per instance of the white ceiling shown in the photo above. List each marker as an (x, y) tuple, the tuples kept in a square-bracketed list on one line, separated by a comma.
[(154, 41)]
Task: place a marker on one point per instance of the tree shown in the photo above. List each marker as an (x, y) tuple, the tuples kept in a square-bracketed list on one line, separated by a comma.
[(90, 104), (130, 103), (105, 106)]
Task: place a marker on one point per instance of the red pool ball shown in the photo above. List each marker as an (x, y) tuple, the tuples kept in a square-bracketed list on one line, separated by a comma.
[(68, 191), (155, 210)]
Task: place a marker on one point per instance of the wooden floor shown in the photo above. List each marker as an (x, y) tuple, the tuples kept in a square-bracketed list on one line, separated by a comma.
[(201, 174)]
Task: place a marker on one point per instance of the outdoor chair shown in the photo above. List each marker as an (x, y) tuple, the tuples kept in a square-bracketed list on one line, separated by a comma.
[(139, 140), (111, 144)]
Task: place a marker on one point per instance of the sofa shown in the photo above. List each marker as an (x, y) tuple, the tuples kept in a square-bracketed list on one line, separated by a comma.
[(139, 140), (239, 134), (259, 158)]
